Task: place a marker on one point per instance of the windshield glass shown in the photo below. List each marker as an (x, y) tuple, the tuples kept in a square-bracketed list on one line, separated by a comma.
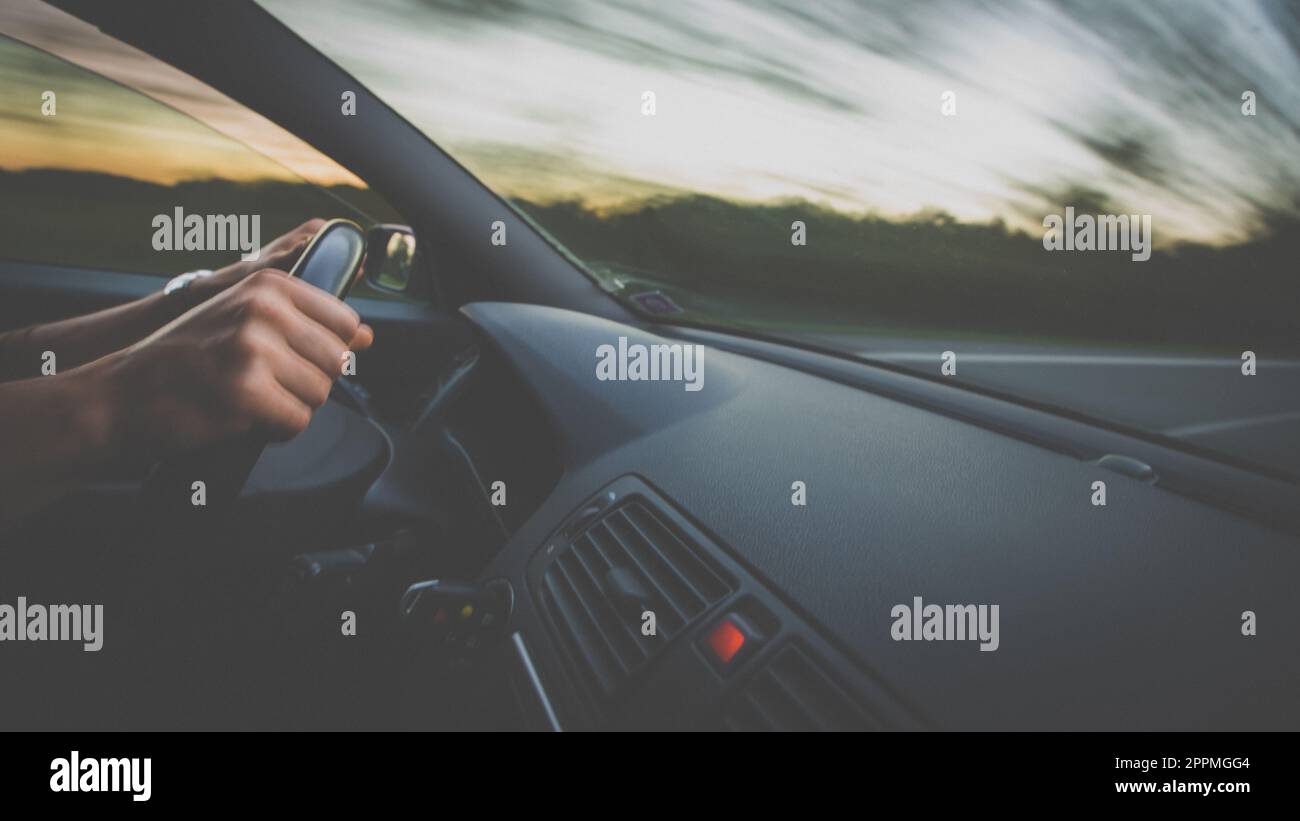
[(1089, 205)]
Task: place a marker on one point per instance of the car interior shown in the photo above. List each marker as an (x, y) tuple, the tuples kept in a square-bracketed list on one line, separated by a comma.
[(522, 546)]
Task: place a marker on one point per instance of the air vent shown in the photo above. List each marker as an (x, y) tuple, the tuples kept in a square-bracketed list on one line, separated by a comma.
[(619, 566), (792, 694)]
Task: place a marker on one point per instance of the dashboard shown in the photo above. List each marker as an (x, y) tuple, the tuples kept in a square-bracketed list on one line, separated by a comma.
[(666, 578)]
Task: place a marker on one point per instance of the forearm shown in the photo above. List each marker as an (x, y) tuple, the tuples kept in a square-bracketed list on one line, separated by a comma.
[(55, 431), (14, 360), (83, 339)]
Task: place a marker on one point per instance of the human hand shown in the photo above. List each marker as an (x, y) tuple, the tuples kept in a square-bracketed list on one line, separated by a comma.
[(262, 354)]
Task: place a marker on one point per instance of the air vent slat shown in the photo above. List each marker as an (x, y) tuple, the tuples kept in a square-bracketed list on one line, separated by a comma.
[(673, 563), (631, 648), (826, 702), (793, 693), (676, 593), (779, 707), (613, 627), (624, 658), (581, 629), (678, 617), (596, 584), (673, 551)]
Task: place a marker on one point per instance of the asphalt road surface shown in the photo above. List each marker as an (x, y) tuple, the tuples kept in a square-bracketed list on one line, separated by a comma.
[(1202, 399)]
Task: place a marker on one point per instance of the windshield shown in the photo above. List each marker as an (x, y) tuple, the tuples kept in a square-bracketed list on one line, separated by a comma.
[(1091, 205)]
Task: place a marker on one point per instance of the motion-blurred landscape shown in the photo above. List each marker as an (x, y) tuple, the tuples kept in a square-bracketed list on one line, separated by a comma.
[(918, 223), (733, 264), (931, 275), (107, 219)]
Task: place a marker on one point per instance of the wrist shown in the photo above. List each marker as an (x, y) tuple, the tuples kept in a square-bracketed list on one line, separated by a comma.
[(97, 410), (193, 288), (215, 282)]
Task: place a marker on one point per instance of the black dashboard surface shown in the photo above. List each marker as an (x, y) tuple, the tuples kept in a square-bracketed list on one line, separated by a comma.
[(1126, 616)]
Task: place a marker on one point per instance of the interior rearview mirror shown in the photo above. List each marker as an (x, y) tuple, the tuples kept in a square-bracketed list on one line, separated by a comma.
[(390, 257)]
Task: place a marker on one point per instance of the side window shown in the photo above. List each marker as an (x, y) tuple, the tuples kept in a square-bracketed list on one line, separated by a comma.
[(93, 173)]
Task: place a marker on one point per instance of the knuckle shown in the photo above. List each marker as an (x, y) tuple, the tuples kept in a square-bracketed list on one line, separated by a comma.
[(326, 386), (265, 279), (244, 388), (266, 305), (246, 346), (260, 300), (353, 324), (298, 420), (320, 390)]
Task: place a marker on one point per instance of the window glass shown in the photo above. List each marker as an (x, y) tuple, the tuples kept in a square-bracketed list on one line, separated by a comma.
[(91, 164)]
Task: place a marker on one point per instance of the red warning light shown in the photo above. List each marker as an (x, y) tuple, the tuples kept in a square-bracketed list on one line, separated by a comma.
[(726, 640)]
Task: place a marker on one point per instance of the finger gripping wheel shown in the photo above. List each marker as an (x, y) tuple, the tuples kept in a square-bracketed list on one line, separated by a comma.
[(204, 484)]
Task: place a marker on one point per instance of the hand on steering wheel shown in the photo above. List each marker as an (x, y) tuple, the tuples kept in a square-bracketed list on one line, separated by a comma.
[(252, 363)]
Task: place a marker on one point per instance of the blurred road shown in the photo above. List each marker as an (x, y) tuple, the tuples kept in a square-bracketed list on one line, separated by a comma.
[(1205, 400)]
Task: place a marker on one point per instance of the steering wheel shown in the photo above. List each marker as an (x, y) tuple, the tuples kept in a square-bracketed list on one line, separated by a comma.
[(170, 495)]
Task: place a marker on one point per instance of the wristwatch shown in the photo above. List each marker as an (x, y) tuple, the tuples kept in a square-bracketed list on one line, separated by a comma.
[(183, 281)]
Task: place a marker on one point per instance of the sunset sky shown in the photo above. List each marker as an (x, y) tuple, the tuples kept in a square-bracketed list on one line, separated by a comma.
[(1132, 105), (155, 132)]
